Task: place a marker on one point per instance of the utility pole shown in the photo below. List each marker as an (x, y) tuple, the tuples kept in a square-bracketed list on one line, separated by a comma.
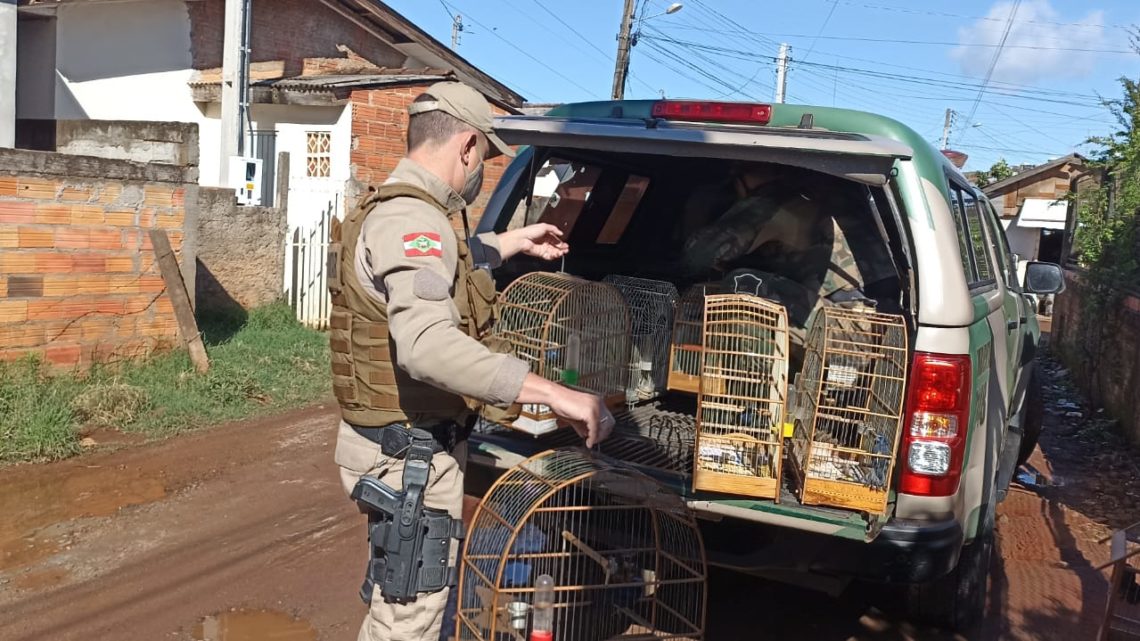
[(233, 93), (621, 64), (782, 72), (946, 128), (456, 29)]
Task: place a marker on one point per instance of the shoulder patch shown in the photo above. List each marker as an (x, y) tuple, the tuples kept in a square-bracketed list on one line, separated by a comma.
[(423, 243), (428, 285)]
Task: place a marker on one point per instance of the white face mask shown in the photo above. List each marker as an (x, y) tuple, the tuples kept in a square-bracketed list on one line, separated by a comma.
[(472, 184)]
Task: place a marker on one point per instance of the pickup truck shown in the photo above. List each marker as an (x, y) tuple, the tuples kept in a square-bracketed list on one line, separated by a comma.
[(625, 179)]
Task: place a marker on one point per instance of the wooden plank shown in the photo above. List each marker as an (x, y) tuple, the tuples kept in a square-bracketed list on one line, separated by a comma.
[(180, 299)]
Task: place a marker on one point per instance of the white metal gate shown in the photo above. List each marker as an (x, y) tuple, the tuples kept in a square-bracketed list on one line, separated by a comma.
[(307, 251)]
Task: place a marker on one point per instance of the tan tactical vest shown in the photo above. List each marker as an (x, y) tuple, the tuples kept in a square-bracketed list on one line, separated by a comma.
[(371, 388)]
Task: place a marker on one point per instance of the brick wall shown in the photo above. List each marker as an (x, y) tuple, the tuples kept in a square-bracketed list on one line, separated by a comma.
[(78, 280), (379, 140), (1109, 373), (288, 30)]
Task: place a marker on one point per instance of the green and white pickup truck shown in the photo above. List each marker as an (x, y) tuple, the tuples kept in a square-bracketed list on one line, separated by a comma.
[(639, 167)]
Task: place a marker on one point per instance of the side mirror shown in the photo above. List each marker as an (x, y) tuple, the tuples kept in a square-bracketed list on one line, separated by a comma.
[(1044, 278)]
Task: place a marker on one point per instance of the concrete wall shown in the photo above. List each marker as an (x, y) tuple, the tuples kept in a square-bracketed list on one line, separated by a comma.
[(78, 280), (241, 253), (168, 143), (1109, 373)]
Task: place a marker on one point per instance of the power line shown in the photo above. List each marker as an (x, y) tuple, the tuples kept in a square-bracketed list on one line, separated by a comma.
[(834, 4), (532, 57), (994, 62), (942, 14), (1040, 95), (939, 43)]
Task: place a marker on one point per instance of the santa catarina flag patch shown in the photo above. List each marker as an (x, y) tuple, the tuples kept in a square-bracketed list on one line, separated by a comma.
[(422, 243)]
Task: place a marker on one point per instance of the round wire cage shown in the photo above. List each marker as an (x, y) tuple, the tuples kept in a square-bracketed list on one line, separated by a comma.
[(651, 304), (625, 555), (568, 329)]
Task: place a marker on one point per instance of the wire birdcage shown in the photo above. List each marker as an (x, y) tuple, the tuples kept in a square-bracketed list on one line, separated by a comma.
[(850, 404), (743, 396), (625, 555), (651, 304), (570, 330), (685, 343)]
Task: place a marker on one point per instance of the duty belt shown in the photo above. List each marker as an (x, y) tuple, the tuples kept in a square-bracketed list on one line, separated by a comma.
[(395, 439)]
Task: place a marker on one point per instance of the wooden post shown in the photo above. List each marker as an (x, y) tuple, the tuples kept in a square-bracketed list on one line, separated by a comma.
[(180, 299)]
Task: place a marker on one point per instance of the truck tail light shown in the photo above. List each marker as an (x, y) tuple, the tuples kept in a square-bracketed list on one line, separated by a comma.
[(937, 420), (706, 111)]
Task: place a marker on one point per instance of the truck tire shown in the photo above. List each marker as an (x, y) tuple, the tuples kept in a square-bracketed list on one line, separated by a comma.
[(1034, 417), (957, 601)]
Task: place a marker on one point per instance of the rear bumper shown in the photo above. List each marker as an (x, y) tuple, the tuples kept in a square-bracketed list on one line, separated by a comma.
[(912, 552), (904, 552)]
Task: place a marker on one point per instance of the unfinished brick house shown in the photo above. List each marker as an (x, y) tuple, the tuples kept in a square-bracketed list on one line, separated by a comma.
[(330, 82)]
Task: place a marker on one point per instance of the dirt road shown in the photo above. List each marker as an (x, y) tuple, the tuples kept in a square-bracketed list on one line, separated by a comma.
[(243, 530)]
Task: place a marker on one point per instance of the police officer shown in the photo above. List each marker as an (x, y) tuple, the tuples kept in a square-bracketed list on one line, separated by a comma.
[(412, 306)]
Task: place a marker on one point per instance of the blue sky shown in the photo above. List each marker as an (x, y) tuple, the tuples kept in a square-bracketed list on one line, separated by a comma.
[(1040, 101)]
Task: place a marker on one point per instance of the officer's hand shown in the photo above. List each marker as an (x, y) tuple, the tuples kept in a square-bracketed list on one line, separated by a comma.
[(586, 413), (541, 240)]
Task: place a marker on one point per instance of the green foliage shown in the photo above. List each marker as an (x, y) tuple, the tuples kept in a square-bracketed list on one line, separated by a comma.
[(1000, 170), (1105, 241), (261, 364), (35, 413)]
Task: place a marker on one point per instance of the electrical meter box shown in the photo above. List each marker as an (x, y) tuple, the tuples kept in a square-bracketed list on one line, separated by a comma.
[(245, 178)]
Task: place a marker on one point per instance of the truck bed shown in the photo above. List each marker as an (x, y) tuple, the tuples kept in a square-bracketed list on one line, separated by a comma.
[(657, 438)]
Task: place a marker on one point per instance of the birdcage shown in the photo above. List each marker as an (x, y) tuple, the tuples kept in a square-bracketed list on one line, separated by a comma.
[(850, 403), (569, 330), (583, 547), (651, 322), (1121, 620), (685, 344), (743, 396)]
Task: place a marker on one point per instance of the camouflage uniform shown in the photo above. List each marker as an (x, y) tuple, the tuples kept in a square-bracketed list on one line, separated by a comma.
[(798, 248)]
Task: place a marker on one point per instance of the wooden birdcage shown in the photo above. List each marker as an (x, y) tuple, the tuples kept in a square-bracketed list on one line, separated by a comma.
[(625, 555), (569, 330), (849, 408), (651, 304), (743, 396), (1122, 612), (685, 343)]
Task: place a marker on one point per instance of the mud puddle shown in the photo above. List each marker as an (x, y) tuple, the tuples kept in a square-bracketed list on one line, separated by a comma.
[(36, 500), (254, 625)]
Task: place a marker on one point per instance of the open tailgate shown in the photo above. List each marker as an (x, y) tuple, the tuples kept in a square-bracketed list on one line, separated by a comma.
[(863, 158)]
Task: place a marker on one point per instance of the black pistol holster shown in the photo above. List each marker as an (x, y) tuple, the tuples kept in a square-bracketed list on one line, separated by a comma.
[(408, 544)]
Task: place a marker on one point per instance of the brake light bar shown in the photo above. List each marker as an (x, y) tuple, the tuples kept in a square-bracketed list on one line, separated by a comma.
[(937, 422), (710, 111)]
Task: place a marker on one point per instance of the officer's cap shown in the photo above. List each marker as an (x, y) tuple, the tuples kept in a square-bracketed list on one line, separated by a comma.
[(466, 104)]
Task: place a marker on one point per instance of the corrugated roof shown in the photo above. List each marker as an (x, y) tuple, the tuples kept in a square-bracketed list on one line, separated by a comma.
[(329, 83)]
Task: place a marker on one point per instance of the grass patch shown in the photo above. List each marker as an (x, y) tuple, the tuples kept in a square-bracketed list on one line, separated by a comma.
[(258, 365)]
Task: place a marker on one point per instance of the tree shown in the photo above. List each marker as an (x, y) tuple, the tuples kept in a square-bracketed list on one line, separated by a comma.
[(1000, 170)]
